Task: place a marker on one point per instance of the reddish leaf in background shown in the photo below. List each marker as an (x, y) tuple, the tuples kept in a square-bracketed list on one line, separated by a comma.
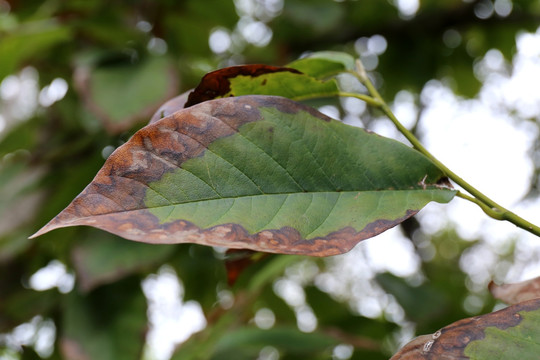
[(237, 261), (216, 83)]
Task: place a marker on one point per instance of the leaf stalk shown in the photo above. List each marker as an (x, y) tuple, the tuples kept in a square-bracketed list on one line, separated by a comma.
[(490, 207)]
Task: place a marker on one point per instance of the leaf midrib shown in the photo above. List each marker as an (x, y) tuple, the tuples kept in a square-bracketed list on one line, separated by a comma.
[(359, 192)]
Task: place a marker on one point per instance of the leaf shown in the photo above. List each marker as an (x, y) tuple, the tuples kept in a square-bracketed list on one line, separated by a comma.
[(301, 79), (516, 293), (260, 80), (423, 303), (324, 64), (102, 260), (121, 94), (256, 172), (109, 323), (197, 265), (28, 40), (511, 333), (250, 340), (20, 196)]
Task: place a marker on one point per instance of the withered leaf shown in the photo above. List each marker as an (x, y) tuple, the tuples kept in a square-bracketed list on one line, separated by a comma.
[(510, 333), (256, 172)]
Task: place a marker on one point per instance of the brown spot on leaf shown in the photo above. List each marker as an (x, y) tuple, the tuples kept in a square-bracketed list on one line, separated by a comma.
[(141, 225), (115, 200), (217, 83), (450, 342)]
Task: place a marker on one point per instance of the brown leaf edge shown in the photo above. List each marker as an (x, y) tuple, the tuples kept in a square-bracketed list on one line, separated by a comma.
[(217, 83), (516, 293), (116, 193), (450, 342)]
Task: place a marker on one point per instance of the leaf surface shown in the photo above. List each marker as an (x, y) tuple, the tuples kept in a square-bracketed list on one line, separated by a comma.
[(302, 79), (324, 64), (257, 172), (271, 80), (511, 333)]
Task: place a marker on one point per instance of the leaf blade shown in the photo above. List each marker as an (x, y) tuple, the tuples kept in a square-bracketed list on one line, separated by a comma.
[(510, 333), (256, 172)]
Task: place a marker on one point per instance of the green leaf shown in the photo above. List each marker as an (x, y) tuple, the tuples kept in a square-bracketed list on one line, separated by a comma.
[(334, 314), (250, 340), (324, 64), (196, 265), (433, 302), (257, 172), (508, 334), (28, 40), (263, 80), (267, 80), (122, 93), (108, 324), (102, 259)]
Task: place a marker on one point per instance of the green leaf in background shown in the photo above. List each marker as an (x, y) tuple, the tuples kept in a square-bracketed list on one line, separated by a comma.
[(19, 194), (107, 324), (256, 172), (122, 93), (27, 40), (433, 303), (508, 334), (197, 265), (247, 342), (99, 259)]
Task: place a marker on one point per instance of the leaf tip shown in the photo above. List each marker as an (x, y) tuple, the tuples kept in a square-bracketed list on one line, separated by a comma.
[(56, 223), (45, 229)]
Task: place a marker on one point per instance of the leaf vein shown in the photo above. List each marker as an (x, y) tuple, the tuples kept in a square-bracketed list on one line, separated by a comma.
[(327, 216)]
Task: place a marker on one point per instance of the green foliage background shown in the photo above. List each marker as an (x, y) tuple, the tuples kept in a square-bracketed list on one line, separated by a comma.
[(112, 56)]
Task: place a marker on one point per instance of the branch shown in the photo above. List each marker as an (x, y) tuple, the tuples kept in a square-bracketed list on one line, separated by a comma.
[(490, 207)]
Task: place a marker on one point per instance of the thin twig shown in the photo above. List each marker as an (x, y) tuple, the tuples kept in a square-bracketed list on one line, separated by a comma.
[(490, 207)]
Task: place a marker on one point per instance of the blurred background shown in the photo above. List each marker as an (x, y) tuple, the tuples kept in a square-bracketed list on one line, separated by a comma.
[(78, 78)]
